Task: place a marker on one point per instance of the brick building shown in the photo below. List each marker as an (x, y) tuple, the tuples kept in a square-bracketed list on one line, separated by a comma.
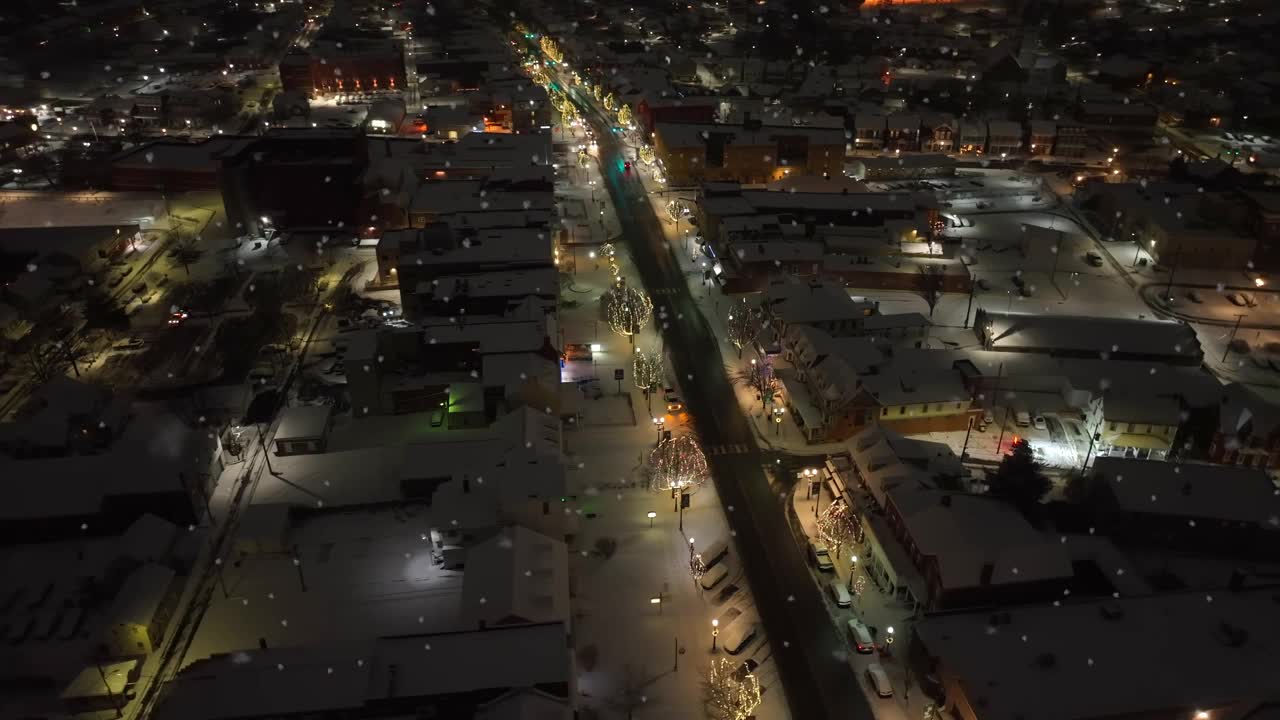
[(750, 152)]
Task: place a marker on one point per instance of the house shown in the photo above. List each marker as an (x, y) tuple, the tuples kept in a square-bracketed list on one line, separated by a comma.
[(1043, 135), (868, 131), (1003, 137), (1193, 507), (517, 576), (1133, 425), (1246, 429), (1133, 122), (902, 132), (789, 302), (302, 429), (938, 133), (140, 613), (973, 138)]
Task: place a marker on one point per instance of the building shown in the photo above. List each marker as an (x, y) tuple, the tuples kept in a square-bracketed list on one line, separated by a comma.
[(478, 673), (902, 132), (140, 614), (1003, 137), (303, 429), (1069, 336), (1263, 221), (518, 576), (1246, 429), (973, 138), (1135, 425), (751, 152), (175, 166), (354, 65), (1192, 507), (1031, 662), (1072, 140), (938, 133), (1177, 224), (1042, 137), (652, 111), (869, 131), (473, 371), (788, 303), (903, 167), (1127, 122)]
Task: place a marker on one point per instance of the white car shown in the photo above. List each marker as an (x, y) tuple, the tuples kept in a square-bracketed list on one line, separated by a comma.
[(1039, 423), (860, 635), (821, 556)]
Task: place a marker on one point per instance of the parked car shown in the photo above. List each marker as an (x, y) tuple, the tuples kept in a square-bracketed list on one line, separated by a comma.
[(840, 592), (879, 680), (1039, 423), (821, 556), (1194, 296), (129, 344), (1022, 418), (1240, 299), (1093, 258), (860, 636)]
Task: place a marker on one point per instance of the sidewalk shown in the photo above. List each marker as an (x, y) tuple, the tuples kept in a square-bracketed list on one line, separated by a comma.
[(872, 606)]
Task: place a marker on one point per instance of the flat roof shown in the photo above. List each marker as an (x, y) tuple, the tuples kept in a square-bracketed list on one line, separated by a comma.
[(518, 575), (681, 135), (1123, 657), (303, 421), (1101, 335), (797, 301), (141, 594), (1193, 490)]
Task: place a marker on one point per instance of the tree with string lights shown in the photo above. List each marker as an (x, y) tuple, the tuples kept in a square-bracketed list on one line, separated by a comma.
[(744, 324), (626, 309), (624, 116), (838, 525), (677, 465), (728, 693), (647, 373)]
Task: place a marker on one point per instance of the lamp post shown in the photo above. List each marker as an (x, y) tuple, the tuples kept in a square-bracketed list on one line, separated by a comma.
[(659, 424), (302, 580), (651, 515), (778, 412), (853, 570), (715, 633), (690, 548)]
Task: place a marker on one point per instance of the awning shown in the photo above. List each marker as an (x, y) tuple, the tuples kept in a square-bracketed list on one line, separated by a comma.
[(1141, 442)]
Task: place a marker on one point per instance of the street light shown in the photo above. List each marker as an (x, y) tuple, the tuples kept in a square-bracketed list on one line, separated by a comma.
[(715, 632), (651, 515), (889, 640), (1259, 282), (690, 548)]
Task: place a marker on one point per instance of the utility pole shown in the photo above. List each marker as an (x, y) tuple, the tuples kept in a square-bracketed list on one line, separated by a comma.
[(1004, 419), (973, 288), (1173, 268), (1234, 328)]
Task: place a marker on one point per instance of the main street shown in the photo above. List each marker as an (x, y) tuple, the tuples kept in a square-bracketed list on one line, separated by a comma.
[(811, 654)]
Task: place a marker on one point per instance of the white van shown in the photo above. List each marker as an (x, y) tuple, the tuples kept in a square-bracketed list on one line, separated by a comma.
[(734, 638), (713, 553), (840, 593), (879, 680), (712, 577), (1022, 418)]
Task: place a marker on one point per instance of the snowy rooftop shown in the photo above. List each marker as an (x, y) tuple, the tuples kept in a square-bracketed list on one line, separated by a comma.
[(1130, 654), (684, 135), (795, 301), (303, 421), (517, 575), (1114, 337), (1192, 490)]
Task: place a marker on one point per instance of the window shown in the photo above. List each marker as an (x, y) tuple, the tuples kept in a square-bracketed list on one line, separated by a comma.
[(1112, 427), (958, 406), (884, 412), (902, 410)]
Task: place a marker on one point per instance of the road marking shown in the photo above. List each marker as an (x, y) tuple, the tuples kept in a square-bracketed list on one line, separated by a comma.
[(733, 449), (666, 291)]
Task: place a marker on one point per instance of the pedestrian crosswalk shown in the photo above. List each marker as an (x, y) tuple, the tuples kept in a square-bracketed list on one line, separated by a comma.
[(730, 449), (666, 291)]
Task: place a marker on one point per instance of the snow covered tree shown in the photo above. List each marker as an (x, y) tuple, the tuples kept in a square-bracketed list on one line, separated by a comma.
[(624, 116), (677, 464), (626, 309), (647, 372), (744, 324)]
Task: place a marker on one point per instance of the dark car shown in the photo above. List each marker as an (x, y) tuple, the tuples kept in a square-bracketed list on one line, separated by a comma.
[(1093, 258)]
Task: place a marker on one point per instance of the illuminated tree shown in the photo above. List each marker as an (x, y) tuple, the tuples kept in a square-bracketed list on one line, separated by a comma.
[(744, 324), (550, 49), (646, 155), (583, 158), (759, 377), (647, 372), (677, 465), (626, 309), (728, 693), (624, 116), (838, 525), (609, 101)]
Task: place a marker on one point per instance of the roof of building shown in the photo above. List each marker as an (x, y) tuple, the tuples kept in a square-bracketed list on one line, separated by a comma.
[(302, 422), (688, 135), (516, 576), (1130, 654), (1121, 406), (1104, 336), (976, 539), (141, 594), (793, 301), (1192, 490)]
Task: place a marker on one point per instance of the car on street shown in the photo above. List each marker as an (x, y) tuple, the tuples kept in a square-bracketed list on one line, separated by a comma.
[(129, 344), (1194, 296), (177, 317), (1093, 258), (983, 284), (1240, 299), (839, 592), (860, 636), (1040, 423), (879, 680), (821, 556)]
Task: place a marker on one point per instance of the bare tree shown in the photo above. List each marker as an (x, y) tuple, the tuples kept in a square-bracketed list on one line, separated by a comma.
[(930, 281)]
